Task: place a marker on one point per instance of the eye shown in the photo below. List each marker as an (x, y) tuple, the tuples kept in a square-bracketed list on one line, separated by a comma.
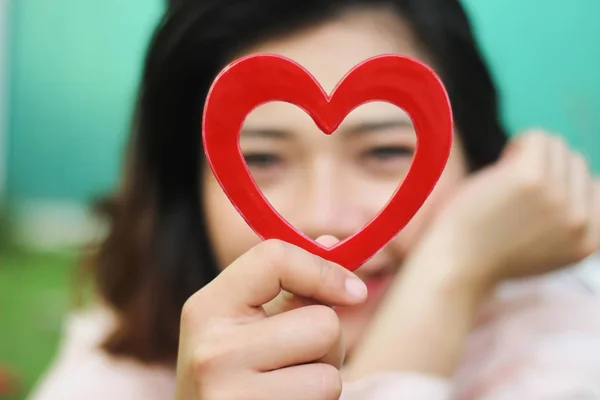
[(389, 159), (385, 153), (261, 160)]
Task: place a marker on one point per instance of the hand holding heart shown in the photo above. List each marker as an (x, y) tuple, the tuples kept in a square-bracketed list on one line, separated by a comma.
[(234, 345), (260, 329)]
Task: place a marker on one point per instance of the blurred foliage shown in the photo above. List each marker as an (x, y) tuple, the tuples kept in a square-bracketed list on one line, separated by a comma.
[(35, 291)]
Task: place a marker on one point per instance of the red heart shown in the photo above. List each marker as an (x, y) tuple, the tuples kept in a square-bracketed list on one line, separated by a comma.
[(251, 81)]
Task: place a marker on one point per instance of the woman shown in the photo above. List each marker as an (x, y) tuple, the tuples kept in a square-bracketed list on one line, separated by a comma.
[(191, 302)]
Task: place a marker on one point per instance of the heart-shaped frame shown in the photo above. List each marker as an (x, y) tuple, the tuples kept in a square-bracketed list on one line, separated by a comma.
[(257, 79)]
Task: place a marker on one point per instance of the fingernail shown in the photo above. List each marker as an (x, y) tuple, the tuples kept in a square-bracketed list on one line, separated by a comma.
[(356, 288)]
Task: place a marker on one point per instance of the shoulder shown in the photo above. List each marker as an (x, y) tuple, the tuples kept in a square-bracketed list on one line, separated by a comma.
[(81, 369)]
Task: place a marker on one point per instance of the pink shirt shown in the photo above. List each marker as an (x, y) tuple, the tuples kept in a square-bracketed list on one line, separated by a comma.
[(537, 339)]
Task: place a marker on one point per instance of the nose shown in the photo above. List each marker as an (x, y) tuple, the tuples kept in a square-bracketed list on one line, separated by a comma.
[(326, 204)]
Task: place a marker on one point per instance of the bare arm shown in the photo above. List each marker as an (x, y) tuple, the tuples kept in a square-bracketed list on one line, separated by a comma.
[(427, 318)]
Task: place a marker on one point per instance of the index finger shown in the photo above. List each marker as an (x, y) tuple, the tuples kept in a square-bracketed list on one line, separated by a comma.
[(260, 274)]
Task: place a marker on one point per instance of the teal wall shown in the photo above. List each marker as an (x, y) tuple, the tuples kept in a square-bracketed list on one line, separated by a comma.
[(75, 67), (546, 58)]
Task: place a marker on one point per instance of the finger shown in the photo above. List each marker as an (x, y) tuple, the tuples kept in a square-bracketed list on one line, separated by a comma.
[(260, 274), (300, 336), (300, 382), (287, 301)]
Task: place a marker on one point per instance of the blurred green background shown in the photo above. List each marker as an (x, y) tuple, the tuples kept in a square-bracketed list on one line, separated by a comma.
[(71, 67)]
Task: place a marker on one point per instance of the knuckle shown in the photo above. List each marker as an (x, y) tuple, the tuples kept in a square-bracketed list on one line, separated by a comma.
[(530, 184), (272, 252), (194, 311), (209, 354), (205, 358), (326, 270), (189, 310)]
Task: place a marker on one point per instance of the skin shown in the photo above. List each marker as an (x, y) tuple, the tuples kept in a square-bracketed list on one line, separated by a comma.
[(265, 327)]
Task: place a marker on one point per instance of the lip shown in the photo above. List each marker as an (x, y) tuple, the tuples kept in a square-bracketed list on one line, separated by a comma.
[(377, 284)]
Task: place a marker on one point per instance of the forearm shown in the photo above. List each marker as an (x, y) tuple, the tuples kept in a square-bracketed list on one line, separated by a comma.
[(424, 321)]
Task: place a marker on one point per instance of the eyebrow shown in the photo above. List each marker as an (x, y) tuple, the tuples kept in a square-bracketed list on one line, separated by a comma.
[(354, 130), (266, 132), (377, 126)]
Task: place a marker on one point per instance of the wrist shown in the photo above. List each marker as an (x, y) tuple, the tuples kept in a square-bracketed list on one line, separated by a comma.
[(449, 267)]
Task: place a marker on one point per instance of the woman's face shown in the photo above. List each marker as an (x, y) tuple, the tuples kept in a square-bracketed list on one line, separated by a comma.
[(332, 184)]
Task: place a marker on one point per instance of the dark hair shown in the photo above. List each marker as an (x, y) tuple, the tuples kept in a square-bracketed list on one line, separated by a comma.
[(157, 252)]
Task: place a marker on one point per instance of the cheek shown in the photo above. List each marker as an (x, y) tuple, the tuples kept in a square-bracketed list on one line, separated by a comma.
[(228, 233)]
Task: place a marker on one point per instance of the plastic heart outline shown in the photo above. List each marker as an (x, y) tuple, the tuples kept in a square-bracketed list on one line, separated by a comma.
[(251, 81)]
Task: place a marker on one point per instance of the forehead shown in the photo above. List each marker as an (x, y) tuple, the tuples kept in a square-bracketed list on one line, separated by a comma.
[(330, 49)]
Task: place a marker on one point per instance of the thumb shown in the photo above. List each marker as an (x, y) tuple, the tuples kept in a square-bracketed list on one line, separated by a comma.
[(287, 301), (327, 240)]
